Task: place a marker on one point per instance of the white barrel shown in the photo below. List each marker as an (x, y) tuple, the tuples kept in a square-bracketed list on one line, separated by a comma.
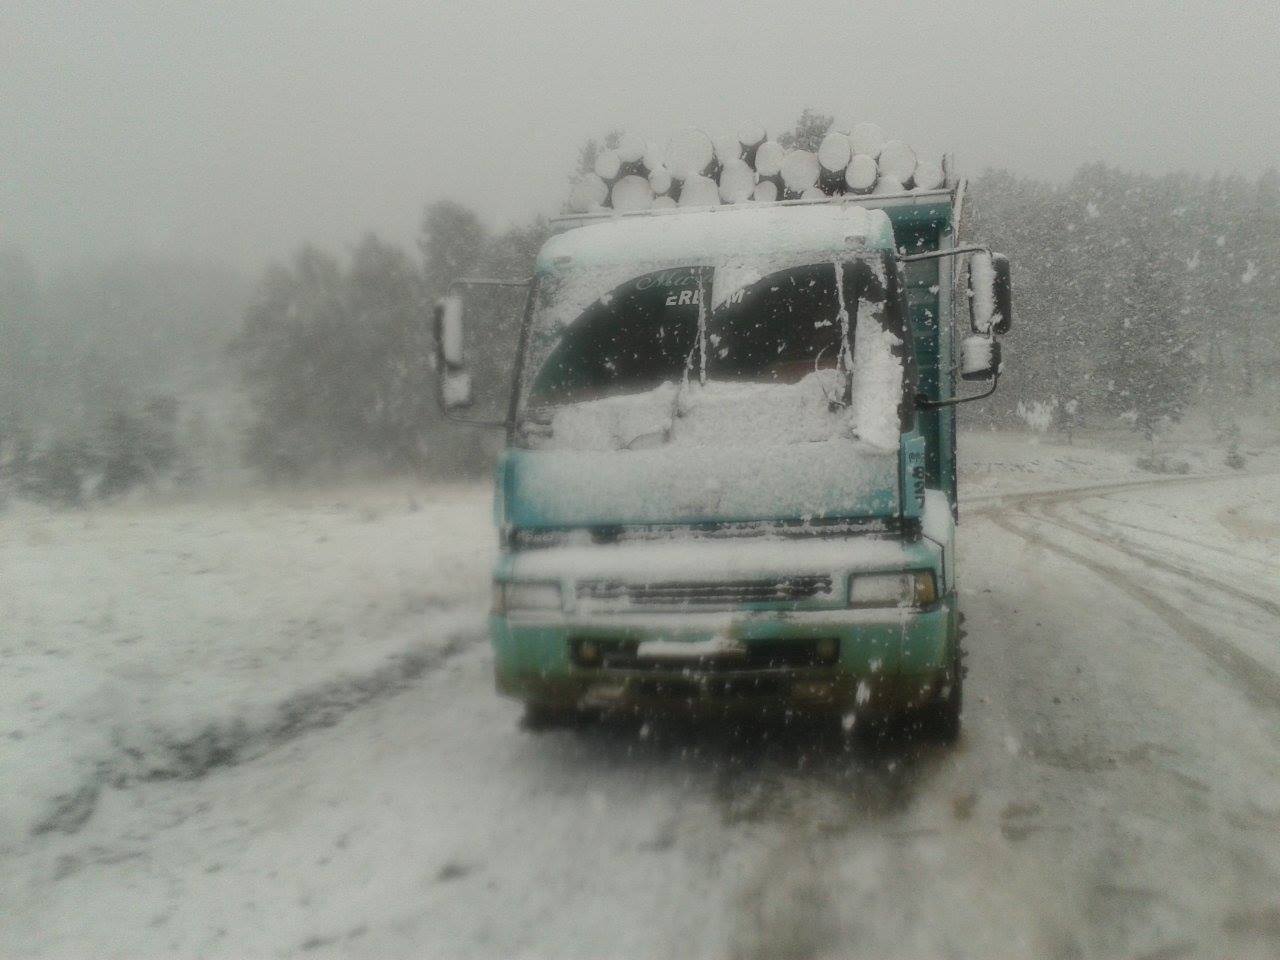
[(834, 153), (660, 180), (737, 181), (699, 191), (751, 135), (766, 191), (799, 170), (860, 175), (608, 163), (769, 158), (897, 160), (631, 193), (630, 149), (689, 153), (929, 175)]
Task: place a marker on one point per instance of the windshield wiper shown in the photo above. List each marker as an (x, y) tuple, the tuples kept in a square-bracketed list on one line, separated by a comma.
[(699, 347)]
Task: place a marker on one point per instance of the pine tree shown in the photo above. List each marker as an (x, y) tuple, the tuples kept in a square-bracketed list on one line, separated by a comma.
[(810, 129), (1149, 372)]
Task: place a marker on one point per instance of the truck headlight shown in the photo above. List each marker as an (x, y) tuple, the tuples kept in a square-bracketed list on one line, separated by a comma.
[(906, 588), (509, 595)]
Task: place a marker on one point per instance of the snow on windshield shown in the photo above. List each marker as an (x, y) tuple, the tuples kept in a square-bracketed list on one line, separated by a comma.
[(775, 362), (735, 275), (877, 381), (730, 414), (714, 414)]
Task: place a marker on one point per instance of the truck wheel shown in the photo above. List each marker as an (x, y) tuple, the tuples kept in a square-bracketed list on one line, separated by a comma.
[(940, 719), (547, 716)]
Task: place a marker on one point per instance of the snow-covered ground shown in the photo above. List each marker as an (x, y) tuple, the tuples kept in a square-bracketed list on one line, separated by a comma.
[(266, 727), (159, 641)]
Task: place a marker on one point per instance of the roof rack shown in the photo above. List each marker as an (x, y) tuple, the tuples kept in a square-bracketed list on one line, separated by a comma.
[(874, 202), (871, 201)]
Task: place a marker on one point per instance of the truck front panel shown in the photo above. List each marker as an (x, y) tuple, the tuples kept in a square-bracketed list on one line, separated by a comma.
[(748, 621)]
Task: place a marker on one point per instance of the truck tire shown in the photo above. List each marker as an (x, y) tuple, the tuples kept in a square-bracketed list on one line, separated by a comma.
[(547, 716), (939, 720)]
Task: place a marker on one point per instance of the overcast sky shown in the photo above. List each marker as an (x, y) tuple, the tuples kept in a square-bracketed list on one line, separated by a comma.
[(237, 129)]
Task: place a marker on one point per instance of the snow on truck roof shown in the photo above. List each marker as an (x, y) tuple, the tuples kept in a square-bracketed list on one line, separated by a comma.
[(820, 230)]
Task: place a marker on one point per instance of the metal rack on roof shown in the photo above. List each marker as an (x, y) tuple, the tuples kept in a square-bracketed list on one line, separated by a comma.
[(870, 201), (878, 201)]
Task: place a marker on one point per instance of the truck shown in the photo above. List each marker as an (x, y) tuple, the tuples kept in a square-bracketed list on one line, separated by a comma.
[(729, 477)]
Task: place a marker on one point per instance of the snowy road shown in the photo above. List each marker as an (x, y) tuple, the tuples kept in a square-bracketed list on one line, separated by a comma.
[(1116, 792)]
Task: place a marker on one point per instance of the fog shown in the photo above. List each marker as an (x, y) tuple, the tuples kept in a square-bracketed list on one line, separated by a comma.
[(888, 571), (236, 130)]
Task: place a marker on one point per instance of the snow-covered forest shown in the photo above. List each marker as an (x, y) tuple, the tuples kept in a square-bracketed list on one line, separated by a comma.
[(1139, 298), (1139, 295)]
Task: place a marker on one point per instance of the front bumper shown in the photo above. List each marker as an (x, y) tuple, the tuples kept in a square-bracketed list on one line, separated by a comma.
[(888, 660)]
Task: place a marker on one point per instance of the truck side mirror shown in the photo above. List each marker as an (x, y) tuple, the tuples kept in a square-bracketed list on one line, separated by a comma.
[(979, 358), (990, 293), (452, 378)]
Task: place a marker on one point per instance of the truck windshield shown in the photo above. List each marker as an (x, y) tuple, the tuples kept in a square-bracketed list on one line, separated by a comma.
[(699, 334)]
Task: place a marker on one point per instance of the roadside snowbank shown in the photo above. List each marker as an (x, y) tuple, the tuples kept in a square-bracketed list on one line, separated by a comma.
[(155, 642), (995, 463)]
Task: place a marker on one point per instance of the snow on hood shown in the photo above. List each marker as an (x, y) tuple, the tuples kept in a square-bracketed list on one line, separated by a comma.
[(680, 558), (744, 482)]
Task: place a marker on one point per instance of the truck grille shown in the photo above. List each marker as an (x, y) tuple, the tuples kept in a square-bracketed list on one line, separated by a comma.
[(619, 595), (607, 653)]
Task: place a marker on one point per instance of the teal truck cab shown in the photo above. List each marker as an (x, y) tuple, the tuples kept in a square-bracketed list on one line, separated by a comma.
[(730, 475)]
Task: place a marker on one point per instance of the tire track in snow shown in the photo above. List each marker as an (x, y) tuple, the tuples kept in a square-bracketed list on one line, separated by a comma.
[(1253, 678), (1049, 514), (223, 743), (1048, 500), (1104, 520), (998, 501), (813, 786)]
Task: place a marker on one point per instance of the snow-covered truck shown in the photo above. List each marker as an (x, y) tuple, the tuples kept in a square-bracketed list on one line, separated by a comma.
[(730, 471)]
